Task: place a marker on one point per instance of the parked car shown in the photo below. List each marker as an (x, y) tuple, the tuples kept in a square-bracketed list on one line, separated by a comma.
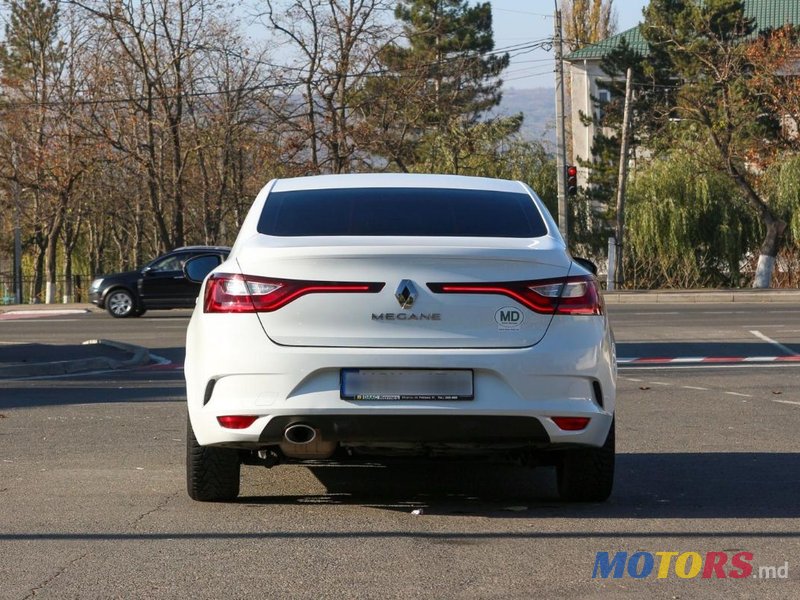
[(383, 315), (161, 283)]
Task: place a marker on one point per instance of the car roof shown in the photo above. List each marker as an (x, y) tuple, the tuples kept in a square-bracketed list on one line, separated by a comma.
[(396, 180), (202, 248)]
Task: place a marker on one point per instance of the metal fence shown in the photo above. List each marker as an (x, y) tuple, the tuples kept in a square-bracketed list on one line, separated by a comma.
[(80, 290)]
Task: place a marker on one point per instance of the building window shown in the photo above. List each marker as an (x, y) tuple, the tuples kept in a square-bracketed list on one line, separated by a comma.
[(603, 98)]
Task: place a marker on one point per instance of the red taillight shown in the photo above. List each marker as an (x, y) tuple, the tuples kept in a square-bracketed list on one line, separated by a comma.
[(571, 423), (236, 421), (563, 296), (232, 293)]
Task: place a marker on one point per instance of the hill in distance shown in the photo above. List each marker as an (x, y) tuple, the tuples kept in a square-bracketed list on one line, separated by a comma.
[(538, 106)]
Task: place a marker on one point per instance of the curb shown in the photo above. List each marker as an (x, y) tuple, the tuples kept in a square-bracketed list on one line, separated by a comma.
[(140, 356), (68, 308)]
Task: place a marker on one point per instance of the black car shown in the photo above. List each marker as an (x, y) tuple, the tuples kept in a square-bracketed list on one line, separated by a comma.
[(159, 284)]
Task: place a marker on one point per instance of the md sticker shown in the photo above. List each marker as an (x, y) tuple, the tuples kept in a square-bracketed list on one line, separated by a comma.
[(509, 318)]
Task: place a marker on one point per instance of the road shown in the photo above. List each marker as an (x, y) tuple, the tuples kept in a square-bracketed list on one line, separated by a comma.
[(93, 505)]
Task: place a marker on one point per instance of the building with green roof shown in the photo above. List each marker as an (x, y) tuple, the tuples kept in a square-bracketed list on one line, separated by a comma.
[(586, 76)]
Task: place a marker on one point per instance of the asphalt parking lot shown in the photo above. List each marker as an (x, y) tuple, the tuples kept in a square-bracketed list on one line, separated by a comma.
[(93, 501)]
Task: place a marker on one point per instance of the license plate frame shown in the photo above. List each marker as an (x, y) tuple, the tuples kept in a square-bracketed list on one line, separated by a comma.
[(407, 384)]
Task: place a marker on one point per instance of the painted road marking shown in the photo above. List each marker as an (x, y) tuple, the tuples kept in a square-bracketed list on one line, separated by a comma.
[(787, 402), (781, 365), (704, 360), (777, 344)]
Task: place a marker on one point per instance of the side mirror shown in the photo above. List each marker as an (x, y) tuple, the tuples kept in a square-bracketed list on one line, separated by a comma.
[(586, 264), (196, 269)]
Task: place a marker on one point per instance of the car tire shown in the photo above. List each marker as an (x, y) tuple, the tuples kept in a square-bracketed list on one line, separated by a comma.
[(120, 304), (212, 474), (587, 474)]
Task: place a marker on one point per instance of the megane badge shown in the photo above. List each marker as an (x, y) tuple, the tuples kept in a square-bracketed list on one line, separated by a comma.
[(406, 294)]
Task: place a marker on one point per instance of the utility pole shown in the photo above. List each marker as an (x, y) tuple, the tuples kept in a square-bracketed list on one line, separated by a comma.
[(17, 232), (623, 179), (561, 147)]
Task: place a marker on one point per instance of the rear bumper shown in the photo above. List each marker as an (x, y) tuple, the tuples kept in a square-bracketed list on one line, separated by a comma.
[(232, 368), (421, 429)]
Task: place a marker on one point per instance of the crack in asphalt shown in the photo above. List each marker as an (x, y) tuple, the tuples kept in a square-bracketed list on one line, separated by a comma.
[(55, 576), (157, 507)]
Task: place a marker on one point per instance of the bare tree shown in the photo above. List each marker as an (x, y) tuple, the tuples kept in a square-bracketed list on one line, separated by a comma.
[(337, 43), (153, 43)]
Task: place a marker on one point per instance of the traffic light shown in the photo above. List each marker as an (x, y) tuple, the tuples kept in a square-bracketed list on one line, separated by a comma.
[(572, 180)]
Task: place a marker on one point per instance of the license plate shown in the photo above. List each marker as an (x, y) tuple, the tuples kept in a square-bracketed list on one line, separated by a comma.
[(406, 384)]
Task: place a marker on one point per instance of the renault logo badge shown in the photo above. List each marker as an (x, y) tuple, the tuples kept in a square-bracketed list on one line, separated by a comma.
[(406, 294)]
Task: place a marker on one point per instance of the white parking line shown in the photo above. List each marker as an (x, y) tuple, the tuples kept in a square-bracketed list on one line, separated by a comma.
[(738, 394), (761, 336), (694, 387), (788, 402)]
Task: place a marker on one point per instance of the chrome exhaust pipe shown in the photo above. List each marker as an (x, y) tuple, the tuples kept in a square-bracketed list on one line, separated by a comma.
[(302, 441), (300, 433)]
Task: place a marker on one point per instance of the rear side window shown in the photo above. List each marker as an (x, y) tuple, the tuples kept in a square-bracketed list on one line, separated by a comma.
[(401, 212)]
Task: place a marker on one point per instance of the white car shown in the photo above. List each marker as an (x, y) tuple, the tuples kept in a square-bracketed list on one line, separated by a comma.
[(380, 315)]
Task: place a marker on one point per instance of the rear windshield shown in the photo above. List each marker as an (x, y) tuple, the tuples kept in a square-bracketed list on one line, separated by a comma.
[(401, 212)]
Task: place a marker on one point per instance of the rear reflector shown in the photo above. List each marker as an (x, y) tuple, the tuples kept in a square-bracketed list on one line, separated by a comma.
[(233, 293), (562, 296), (236, 421), (571, 423)]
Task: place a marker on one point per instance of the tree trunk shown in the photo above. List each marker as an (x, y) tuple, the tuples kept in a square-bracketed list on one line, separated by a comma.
[(769, 252), (36, 295), (774, 226), (68, 288), (51, 256)]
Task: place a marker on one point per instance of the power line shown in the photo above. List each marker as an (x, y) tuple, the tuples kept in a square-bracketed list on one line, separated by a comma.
[(522, 12)]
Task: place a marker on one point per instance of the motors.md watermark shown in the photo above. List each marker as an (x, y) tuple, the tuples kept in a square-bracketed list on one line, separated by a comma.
[(684, 565)]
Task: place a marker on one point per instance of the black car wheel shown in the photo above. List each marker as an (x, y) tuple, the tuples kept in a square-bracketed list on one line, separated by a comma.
[(120, 304), (587, 474), (212, 474)]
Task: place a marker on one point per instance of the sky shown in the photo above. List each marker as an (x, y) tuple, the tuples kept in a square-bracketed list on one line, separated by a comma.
[(518, 22)]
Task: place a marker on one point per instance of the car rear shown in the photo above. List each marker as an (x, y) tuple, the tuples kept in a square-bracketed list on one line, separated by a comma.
[(395, 315)]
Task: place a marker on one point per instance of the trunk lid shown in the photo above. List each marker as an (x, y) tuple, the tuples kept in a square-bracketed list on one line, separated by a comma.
[(406, 266)]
